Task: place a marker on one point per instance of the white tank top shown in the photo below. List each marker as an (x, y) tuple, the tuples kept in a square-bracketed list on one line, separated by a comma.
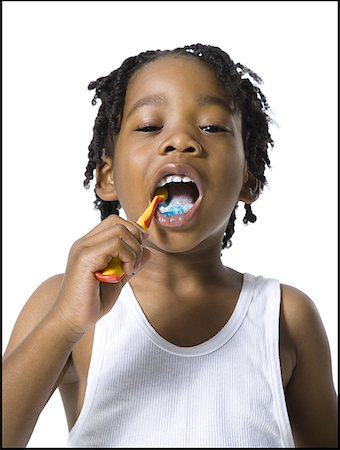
[(143, 391)]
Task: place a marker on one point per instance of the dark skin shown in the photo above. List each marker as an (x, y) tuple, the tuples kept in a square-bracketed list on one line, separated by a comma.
[(51, 342)]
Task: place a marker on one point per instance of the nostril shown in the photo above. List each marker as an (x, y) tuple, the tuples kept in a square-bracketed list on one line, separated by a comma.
[(170, 148), (182, 148)]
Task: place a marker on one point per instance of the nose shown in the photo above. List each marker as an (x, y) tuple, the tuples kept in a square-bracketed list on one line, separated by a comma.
[(180, 142)]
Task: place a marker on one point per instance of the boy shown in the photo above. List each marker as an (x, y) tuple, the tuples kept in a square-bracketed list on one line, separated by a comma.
[(183, 351)]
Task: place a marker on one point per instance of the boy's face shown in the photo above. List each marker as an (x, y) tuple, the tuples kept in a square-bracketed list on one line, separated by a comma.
[(177, 121)]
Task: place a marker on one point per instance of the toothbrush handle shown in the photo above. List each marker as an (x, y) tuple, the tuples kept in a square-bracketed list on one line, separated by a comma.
[(113, 273)]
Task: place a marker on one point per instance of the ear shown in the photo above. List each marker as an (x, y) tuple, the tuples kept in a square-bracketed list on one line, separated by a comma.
[(105, 186), (251, 188)]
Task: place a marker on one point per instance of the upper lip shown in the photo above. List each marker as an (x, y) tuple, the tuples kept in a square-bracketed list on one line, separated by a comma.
[(177, 169)]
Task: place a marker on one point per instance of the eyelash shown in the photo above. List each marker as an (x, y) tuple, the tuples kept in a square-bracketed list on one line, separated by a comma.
[(149, 128), (215, 128)]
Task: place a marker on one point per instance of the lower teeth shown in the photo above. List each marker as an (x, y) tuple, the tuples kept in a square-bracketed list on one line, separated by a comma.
[(172, 210)]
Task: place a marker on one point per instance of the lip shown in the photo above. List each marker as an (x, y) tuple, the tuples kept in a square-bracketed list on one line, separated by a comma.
[(177, 169), (179, 219)]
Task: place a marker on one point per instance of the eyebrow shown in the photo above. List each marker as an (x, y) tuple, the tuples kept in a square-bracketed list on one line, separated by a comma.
[(202, 100), (205, 99), (155, 100)]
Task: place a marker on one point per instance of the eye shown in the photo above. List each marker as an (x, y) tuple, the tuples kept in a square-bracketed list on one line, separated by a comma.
[(214, 128), (149, 128)]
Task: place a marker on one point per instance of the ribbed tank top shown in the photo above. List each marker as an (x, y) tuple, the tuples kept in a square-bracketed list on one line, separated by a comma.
[(143, 391)]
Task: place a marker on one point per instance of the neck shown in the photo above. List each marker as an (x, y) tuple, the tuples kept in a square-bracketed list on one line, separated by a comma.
[(182, 272)]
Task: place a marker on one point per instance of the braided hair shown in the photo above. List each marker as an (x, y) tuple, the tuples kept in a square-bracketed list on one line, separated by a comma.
[(240, 83)]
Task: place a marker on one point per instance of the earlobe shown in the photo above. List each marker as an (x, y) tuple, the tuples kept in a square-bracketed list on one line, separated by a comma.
[(251, 189), (105, 186)]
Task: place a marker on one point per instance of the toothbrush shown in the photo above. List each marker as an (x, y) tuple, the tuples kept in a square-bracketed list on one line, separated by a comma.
[(113, 273)]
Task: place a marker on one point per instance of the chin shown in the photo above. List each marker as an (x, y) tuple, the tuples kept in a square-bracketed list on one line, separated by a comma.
[(182, 244)]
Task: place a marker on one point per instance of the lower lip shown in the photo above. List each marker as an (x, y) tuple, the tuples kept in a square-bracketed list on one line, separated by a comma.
[(177, 220)]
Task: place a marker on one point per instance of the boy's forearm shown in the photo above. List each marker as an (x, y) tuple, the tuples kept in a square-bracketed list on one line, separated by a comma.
[(30, 374)]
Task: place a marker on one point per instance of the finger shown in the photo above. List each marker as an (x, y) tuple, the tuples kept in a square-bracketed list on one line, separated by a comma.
[(93, 254), (119, 230), (128, 252), (112, 221)]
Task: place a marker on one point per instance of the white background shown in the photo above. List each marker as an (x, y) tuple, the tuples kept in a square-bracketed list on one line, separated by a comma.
[(52, 50)]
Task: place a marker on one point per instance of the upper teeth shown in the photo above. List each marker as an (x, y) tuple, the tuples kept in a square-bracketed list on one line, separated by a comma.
[(174, 179)]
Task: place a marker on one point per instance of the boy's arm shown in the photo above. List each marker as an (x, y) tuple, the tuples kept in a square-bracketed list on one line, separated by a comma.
[(310, 393), (58, 314), (33, 364)]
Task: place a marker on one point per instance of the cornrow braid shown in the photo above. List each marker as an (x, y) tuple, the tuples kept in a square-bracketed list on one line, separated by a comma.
[(240, 83)]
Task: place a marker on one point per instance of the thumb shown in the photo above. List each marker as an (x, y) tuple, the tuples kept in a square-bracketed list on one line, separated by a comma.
[(109, 292), (146, 255), (144, 259)]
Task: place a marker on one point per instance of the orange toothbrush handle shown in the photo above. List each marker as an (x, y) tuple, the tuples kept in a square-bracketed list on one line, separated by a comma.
[(113, 273), (144, 220)]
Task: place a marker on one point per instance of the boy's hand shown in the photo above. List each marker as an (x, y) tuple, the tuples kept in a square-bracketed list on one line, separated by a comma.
[(83, 300)]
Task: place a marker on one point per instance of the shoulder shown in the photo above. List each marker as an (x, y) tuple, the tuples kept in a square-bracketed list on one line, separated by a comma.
[(301, 324), (298, 306), (300, 315), (35, 309)]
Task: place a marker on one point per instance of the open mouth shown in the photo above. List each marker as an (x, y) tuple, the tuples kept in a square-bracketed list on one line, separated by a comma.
[(183, 194)]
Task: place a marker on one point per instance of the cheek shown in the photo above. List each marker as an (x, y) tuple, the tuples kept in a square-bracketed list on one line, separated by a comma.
[(131, 191), (226, 188), (231, 172)]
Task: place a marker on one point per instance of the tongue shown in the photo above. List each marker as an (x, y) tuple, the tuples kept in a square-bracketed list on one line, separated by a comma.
[(181, 198)]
